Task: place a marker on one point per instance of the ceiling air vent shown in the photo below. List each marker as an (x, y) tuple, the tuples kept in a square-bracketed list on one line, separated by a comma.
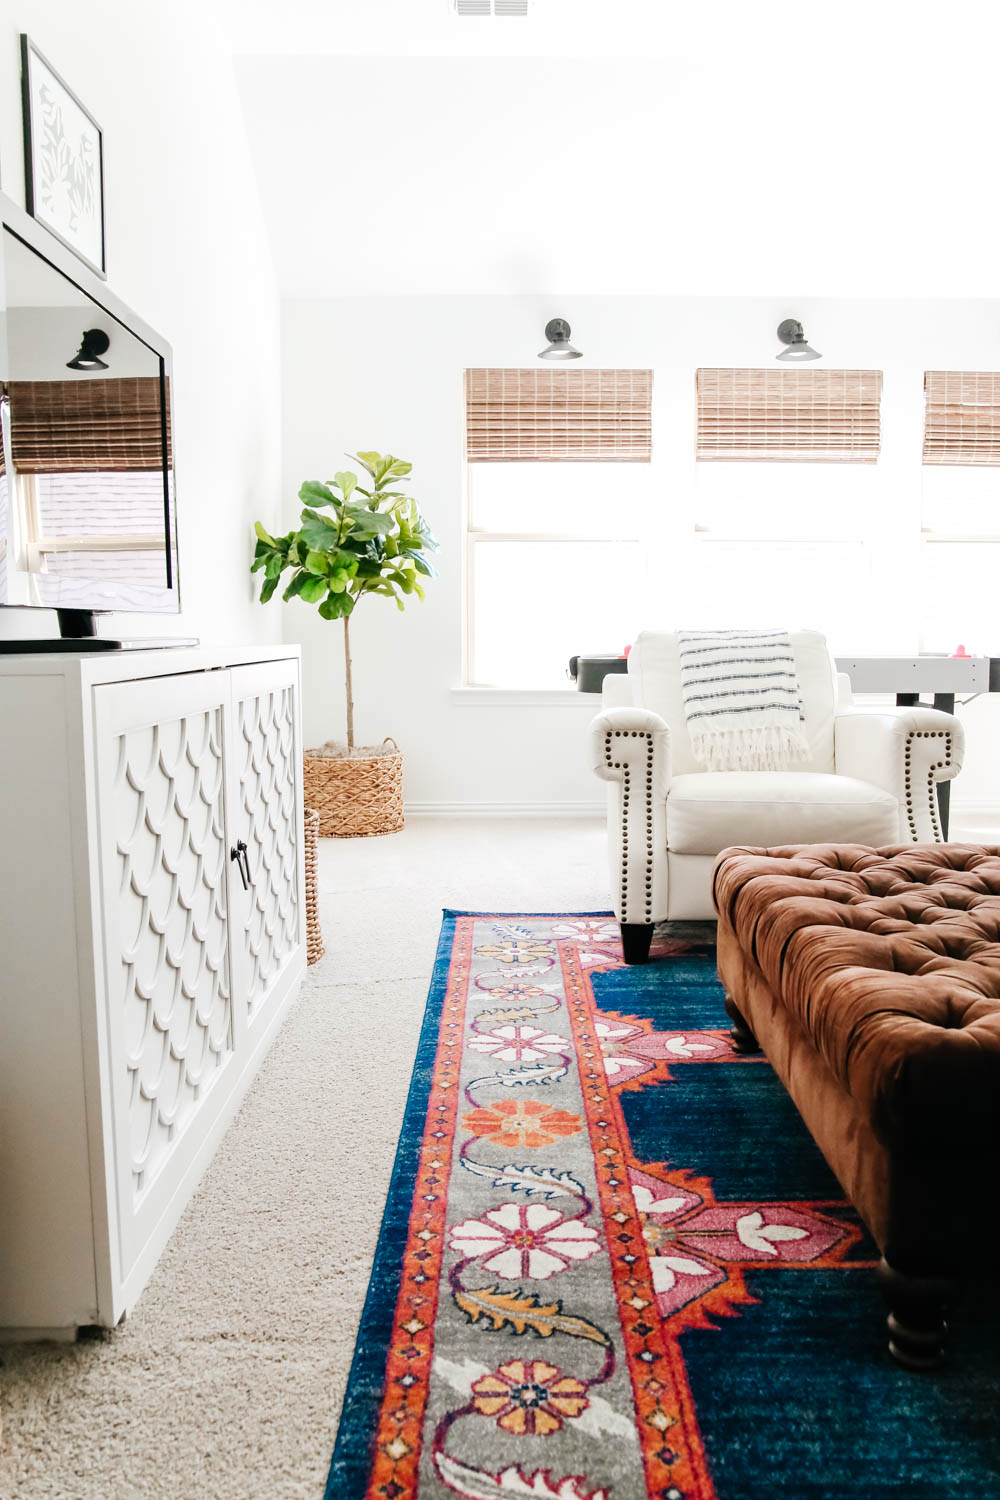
[(491, 7)]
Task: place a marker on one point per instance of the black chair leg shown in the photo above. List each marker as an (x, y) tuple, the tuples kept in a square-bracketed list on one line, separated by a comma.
[(636, 940), (918, 1305), (741, 1036)]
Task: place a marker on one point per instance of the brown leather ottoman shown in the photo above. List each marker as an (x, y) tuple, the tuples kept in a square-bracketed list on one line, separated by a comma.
[(871, 979)]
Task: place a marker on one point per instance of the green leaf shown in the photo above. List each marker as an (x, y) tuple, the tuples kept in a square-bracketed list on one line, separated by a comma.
[(336, 606), (369, 522), (313, 589), (295, 587), (318, 563), (370, 461), (318, 534), (267, 588), (262, 535), (274, 565), (314, 493), (398, 468), (348, 482)]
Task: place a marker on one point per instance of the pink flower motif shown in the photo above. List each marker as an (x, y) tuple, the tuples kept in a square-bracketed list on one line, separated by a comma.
[(614, 1040), (516, 1240), (689, 1242), (519, 1044), (588, 930)]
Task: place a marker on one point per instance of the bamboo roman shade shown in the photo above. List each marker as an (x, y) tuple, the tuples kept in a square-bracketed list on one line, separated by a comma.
[(86, 427), (962, 417), (558, 415), (804, 416)]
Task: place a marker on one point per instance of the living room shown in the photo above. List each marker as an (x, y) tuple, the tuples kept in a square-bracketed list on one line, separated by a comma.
[(448, 228)]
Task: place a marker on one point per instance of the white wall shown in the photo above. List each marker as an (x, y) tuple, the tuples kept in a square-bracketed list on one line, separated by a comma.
[(386, 373), (187, 249)]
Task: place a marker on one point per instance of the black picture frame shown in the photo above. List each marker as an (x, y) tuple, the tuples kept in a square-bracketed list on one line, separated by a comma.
[(36, 135)]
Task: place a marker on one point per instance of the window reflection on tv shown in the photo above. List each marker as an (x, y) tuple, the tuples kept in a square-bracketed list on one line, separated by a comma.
[(85, 460)]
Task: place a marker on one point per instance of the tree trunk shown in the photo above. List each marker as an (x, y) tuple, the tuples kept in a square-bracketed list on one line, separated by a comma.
[(347, 684)]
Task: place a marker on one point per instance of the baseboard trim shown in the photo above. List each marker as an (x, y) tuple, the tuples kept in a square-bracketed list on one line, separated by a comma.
[(505, 809)]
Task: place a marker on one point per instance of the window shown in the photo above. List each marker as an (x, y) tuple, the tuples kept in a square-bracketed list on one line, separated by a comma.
[(962, 417), (786, 483), (558, 498), (87, 457), (960, 509), (804, 416)]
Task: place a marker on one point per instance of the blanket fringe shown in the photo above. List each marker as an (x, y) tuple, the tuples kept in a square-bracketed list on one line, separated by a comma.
[(770, 747)]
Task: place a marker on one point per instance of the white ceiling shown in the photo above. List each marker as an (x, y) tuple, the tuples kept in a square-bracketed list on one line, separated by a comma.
[(613, 28), (817, 151)]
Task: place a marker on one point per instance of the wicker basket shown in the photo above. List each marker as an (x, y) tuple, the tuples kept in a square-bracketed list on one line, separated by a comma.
[(314, 935), (356, 797)]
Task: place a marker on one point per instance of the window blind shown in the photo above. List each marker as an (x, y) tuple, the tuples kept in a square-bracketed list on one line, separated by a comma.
[(558, 415), (962, 417), (85, 427), (804, 416)]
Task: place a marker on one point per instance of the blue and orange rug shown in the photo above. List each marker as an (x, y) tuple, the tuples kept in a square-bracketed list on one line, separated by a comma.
[(613, 1265)]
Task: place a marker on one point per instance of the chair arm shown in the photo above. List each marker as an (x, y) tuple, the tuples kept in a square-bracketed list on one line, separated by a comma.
[(630, 748), (906, 751)]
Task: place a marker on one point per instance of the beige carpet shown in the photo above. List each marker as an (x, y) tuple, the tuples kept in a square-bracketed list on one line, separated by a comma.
[(226, 1381)]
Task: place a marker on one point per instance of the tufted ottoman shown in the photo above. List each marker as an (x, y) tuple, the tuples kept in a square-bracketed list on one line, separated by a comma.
[(871, 979)]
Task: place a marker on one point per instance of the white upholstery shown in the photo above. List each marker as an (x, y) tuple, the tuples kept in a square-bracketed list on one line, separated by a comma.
[(871, 779), (709, 811)]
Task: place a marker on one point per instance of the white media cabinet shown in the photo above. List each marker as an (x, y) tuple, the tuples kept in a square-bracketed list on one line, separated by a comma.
[(152, 935)]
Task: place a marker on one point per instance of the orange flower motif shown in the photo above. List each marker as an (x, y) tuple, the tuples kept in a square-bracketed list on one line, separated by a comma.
[(529, 1397), (521, 1122)]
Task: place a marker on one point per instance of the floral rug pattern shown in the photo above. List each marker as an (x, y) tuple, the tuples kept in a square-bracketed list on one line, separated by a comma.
[(547, 1273)]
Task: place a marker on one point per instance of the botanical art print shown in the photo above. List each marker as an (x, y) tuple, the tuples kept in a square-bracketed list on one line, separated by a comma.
[(63, 160)]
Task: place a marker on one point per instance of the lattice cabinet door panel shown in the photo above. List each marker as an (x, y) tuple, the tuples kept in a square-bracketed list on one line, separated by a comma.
[(171, 1028), (268, 916)]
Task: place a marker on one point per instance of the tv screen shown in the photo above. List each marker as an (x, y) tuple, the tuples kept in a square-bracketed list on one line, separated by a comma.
[(86, 467)]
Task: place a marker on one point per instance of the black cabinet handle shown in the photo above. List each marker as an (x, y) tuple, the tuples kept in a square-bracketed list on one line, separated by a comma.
[(247, 878), (238, 854)]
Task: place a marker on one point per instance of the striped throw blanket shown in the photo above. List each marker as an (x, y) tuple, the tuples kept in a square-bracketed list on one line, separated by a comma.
[(742, 699)]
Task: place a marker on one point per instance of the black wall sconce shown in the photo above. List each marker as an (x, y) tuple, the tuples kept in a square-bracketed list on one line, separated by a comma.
[(94, 343), (798, 351), (557, 331)]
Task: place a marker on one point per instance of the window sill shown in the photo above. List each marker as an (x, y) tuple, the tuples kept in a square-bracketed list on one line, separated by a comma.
[(489, 697)]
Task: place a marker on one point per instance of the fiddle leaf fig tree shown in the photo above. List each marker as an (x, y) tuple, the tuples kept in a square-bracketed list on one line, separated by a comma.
[(354, 540)]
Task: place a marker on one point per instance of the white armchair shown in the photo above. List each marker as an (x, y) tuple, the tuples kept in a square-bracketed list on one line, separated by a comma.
[(871, 778)]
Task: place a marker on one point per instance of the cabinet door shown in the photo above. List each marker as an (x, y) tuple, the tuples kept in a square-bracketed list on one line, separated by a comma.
[(268, 918), (170, 1027)]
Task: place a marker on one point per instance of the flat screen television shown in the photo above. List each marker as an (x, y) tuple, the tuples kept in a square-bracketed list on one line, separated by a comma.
[(87, 513)]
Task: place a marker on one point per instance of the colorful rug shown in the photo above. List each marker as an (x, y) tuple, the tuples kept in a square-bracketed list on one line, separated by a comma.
[(614, 1266)]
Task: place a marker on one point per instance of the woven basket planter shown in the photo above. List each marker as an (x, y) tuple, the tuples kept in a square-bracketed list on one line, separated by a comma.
[(357, 796), (314, 935)]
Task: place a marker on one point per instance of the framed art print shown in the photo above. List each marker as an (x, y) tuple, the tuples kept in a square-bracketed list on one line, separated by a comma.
[(63, 160)]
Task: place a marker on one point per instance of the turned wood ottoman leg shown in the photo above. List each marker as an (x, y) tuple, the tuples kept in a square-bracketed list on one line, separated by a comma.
[(636, 940), (741, 1036), (917, 1305)]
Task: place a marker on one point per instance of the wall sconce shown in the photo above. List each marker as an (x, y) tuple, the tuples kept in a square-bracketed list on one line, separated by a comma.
[(557, 331), (94, 343), (790, 333)]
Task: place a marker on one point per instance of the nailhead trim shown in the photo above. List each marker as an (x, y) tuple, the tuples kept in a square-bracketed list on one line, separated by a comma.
[(625, 769), (938, 765)]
